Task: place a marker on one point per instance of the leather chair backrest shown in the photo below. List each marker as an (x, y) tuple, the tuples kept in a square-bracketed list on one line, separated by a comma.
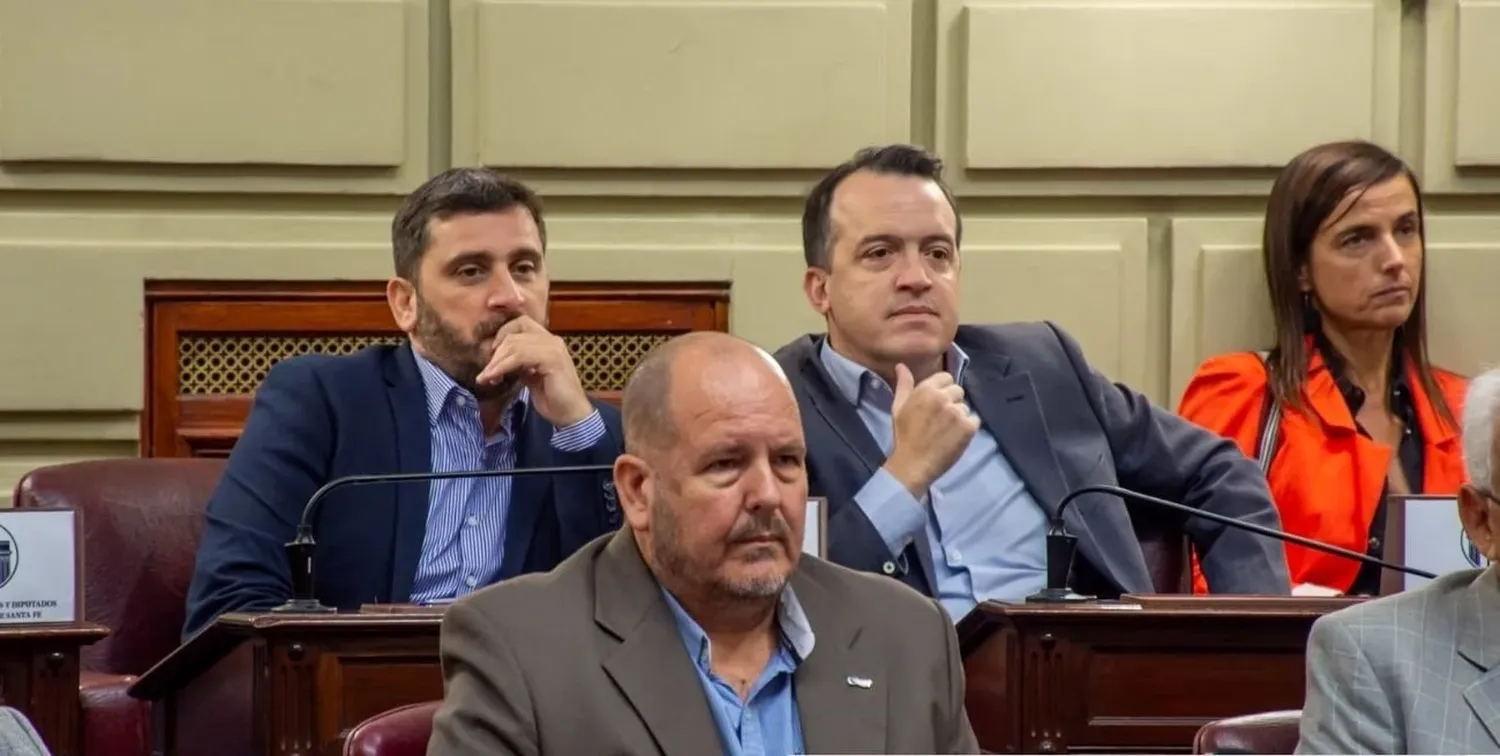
[(402, 731), (142, 520), (1165, 547), (1273, 732)]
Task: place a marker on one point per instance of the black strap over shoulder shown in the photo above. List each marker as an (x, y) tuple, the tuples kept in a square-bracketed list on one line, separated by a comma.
[(1270, 421)]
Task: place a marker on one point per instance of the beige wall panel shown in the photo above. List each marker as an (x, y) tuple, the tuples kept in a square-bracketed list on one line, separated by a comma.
[(1157, 92), (1464, 254), (203, 95), (1087, 275), (710, 85), (761, 258), (17, 459), (1219, 301), (103, 259), (1463, 96)]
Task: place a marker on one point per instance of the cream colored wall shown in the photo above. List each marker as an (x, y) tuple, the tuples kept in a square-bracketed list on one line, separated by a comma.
[(1111, 156)]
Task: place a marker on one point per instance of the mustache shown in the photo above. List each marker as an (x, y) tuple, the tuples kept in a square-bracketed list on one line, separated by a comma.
[(772, 525)]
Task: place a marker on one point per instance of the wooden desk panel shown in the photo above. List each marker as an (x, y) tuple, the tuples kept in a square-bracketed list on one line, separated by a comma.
[(39, 677), (274, 684), (1096, 679)]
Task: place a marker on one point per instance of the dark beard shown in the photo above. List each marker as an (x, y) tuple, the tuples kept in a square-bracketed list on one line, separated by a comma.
[(462, 359)]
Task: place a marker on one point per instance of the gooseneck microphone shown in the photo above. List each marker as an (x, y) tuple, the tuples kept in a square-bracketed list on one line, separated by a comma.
[(1062, 546), (300, 550)]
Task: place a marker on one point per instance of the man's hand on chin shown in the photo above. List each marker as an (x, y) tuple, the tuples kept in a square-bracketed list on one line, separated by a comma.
[(546, 367)]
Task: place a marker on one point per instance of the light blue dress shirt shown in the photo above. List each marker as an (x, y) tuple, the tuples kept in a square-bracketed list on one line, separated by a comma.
[(767, 722), (987, 533), (465, 536)]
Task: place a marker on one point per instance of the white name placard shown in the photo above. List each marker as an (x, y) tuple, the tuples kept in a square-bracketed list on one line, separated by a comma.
[(1434, 538), (38, 566), (814, 532)]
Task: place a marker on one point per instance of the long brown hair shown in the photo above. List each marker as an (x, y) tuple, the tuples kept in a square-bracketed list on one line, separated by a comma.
[(1310, 188)]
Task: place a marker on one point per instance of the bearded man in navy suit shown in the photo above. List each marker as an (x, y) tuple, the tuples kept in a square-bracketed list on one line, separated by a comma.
[(479, 383)]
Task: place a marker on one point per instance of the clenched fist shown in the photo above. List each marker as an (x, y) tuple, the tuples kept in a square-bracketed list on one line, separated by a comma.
[(932, 428)]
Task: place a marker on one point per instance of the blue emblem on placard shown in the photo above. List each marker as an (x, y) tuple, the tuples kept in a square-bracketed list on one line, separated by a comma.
[(1470, 551), (10, 556)]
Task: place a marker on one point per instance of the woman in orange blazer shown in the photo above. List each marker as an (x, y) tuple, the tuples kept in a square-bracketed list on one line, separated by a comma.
[(1345, 409)]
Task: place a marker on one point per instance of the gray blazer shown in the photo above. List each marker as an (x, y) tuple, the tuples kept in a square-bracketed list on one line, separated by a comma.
[(586, 659), (1415, 672), (1063, 425)]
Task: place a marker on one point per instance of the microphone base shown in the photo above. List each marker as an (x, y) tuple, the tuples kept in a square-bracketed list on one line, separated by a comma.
[(304, 606), (1059, 596)]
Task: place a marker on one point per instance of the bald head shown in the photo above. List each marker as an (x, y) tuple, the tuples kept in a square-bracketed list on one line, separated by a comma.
[(710, 362)]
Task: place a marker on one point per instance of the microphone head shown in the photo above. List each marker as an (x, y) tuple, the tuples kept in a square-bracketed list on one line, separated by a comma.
[(17, 736)]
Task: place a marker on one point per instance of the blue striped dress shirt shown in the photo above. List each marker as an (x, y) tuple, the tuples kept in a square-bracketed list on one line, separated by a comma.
[(465, 537)]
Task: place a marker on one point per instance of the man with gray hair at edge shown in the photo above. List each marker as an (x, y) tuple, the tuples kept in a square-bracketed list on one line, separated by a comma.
[(701, 627), (1419, 671)]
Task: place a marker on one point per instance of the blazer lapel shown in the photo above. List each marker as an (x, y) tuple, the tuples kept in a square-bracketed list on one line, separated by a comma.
[(650, 665), (1008, 406), (1479, 642), (528, 493), (839, 714), (838, 414), (408, 403), (844, 421)]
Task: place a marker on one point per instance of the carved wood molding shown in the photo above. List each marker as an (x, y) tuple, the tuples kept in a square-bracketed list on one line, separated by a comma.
[(209, 343)]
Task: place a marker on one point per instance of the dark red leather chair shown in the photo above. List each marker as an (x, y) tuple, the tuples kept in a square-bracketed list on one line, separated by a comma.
[(402, 731), (142, 520), (1274, 732)]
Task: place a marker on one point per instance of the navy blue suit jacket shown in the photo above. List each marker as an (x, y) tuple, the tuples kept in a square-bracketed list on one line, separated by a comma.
[(1062, 425), (320, 417)]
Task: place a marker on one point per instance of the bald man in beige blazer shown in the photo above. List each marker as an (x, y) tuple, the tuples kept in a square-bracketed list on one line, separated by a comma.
[(701, 628)]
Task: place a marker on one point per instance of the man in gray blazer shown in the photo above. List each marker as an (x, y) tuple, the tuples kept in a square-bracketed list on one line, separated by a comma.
[(701, 628), (1419, 671), (944, 450)]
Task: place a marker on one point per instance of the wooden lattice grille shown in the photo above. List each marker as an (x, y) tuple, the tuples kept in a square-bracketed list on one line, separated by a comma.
[(218, 364)]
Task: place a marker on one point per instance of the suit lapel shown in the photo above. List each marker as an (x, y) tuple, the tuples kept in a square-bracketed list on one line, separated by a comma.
[(650, 664), (1479, 642), (843, 420), (840, 417), (408, 403), (838, 714), (1007, 403), (528, 493)]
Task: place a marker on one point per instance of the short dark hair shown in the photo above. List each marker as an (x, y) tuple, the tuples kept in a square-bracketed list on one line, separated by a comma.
[(894, 159), (453, 192)]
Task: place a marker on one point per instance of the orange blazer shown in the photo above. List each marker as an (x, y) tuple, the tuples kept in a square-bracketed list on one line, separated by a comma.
[(1326, 477)]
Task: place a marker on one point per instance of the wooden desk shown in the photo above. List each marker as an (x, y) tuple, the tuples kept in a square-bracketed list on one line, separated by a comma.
[(39, 677), (262, 684), (1096, 678)]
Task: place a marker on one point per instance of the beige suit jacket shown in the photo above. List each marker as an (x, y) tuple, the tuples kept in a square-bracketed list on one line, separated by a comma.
[(586, 659), (1414, 672)]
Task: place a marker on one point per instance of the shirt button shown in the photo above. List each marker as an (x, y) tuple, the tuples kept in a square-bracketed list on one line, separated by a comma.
[(888, 568), (473, 521), (472, 581), (958, 557), (1375, 544)]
